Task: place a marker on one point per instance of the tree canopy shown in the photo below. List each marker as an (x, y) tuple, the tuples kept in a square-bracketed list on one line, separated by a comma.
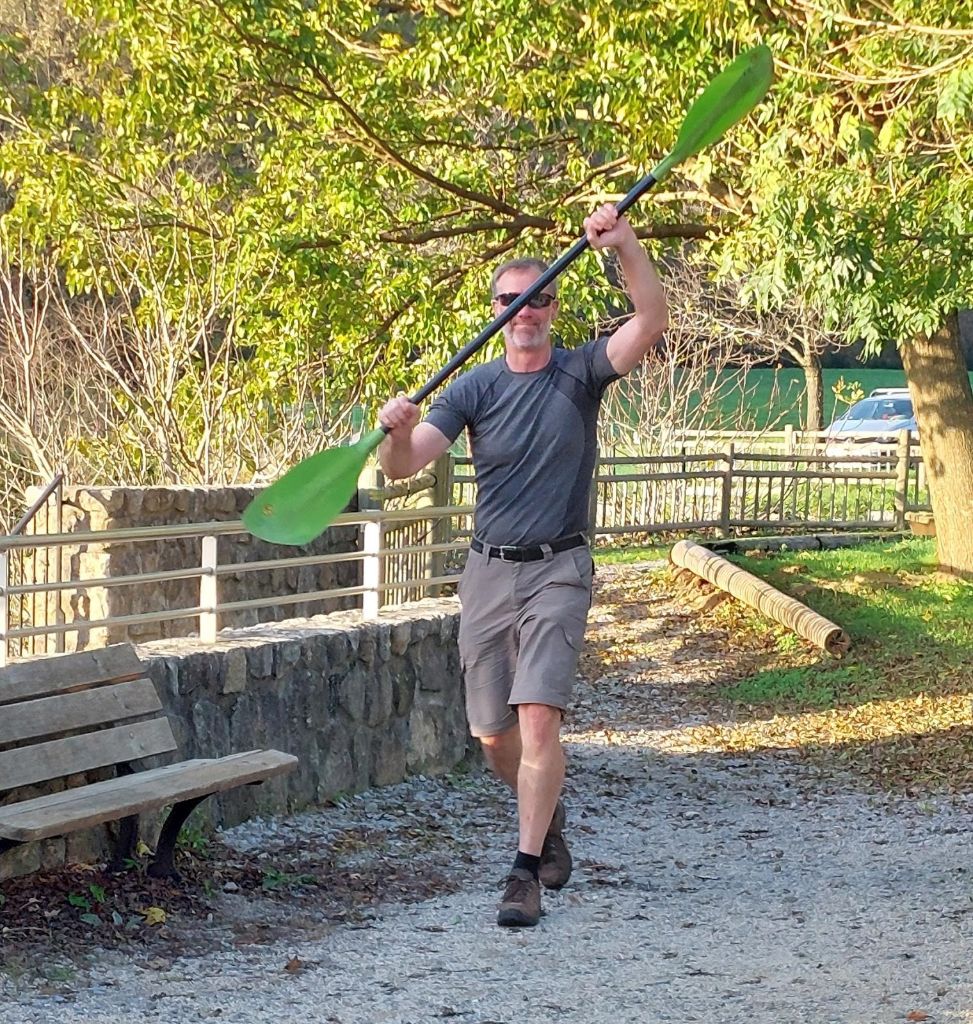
[(354, 170)]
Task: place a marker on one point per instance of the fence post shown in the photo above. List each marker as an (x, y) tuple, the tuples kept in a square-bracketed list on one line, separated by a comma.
[(788, 439), (372, 538), (593, 501), (4, 605), (371, 479), (903, 456), (441, 491), (208, 592), (726, 497)]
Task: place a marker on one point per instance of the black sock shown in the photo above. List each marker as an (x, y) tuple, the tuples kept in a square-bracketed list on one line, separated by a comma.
[(528, 862)]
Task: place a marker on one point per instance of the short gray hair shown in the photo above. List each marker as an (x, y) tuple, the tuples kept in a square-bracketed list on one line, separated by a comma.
[(527, 263)]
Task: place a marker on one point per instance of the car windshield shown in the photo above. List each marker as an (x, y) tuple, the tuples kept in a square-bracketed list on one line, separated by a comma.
[(881, 409)]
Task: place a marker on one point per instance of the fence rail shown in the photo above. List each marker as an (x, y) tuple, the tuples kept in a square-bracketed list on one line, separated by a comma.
[(374, 554), (408, 553)]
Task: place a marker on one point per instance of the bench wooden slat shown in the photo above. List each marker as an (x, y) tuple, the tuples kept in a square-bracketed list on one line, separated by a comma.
[(117, 798), (71, 754), (68, 712), (68, 672)]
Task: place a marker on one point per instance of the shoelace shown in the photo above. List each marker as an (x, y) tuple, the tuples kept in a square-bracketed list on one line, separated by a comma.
[(517, 889)]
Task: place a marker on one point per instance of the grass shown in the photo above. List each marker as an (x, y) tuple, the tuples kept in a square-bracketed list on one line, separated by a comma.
[(629, 555), (898, 706), (910, 626)]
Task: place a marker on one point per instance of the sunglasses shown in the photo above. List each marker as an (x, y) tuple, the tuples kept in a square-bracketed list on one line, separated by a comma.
[(539, 301)]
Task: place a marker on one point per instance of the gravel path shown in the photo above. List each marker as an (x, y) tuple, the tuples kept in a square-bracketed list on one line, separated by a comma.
[(708, 887)]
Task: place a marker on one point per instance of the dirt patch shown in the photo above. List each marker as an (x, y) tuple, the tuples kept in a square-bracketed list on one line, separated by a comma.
[(221, 897)]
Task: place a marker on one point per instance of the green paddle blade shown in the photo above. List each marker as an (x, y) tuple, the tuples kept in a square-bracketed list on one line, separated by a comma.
[(730, 96), (301, 504)]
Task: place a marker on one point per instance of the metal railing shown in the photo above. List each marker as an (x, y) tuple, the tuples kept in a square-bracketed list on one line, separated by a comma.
[(29, 567), (408, 553), (373, 555)]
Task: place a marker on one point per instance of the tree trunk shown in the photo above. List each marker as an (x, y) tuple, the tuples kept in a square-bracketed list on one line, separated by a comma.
[(943, 401), (814, 389)]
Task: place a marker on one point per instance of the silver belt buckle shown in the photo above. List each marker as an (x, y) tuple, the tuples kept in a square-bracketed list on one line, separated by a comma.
[(503, 549)]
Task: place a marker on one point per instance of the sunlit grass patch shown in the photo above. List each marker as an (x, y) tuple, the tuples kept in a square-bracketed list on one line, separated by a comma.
[(898, 706), (631, 554)]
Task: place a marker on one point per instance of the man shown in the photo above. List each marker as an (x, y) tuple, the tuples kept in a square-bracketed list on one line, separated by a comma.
[(526, 589)]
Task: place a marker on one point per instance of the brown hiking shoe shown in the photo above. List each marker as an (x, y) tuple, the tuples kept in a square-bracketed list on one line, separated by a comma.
[(521, 903), (556, 862)]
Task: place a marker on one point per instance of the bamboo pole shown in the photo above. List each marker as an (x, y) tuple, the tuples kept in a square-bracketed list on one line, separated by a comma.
[(760, 595)]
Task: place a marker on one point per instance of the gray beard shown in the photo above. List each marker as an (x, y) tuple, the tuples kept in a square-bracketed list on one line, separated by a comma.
[(537, 340)]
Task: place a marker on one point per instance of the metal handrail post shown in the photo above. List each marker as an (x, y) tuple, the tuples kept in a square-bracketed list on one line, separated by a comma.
[(4, 605), (208, 591), (372, 537)]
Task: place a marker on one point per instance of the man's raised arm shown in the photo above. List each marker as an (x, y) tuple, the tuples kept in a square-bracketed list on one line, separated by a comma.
[(644, 329)]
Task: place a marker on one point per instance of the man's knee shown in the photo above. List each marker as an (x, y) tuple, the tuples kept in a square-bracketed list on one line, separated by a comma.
[(540, 725), (500, 744)]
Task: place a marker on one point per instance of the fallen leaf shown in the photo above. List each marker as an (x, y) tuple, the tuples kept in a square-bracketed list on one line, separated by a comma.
[(154, 915), (294, 965), (917, 1015)]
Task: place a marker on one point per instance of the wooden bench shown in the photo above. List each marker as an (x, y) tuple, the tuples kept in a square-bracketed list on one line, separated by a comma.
[(63, 716)]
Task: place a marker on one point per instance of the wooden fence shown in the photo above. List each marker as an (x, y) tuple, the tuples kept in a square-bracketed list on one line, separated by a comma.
[(413, 536), (801, 485)]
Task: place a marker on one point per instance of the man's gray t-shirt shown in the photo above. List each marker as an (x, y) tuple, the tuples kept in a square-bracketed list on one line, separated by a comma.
[(533, 438)]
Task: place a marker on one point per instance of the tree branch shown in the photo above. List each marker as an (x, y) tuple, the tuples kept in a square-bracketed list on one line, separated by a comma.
[(515, 226), (385, 147)]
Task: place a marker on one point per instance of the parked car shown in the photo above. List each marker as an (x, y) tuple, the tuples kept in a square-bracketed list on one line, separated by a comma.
[(871, 424)]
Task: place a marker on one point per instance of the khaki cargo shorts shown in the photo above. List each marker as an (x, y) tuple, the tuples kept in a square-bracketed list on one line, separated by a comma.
[(520, 634)]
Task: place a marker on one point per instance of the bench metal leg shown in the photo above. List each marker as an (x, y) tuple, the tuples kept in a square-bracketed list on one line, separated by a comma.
[(163, 865), (128, 829), (128, 833)]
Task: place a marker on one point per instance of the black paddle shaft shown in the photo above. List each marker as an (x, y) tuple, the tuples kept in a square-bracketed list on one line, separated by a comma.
[(556, 268)]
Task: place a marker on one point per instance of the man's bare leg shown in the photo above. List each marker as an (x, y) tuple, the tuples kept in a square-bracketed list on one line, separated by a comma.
[(529, 758), (541, 774)]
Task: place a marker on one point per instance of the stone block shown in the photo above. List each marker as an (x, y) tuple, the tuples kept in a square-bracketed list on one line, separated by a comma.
[(404, 684), (361, 758), (390, 754), (21, 860), (54, 850), (88, 846), (290, 653), (422, 753), (367, 644), (260, 661), (235, 671), (401, 637), (351, 689), (383, 640), (379, 693), (211, 729), (337, 773)]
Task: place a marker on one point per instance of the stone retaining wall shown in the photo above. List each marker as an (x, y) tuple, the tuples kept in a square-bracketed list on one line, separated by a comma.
[(360, 704)]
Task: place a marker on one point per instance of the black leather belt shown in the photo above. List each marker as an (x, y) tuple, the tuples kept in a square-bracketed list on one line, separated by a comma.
[(533, 553)]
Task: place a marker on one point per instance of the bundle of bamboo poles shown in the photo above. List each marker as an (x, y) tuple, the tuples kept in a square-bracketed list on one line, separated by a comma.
[(760, 595)]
